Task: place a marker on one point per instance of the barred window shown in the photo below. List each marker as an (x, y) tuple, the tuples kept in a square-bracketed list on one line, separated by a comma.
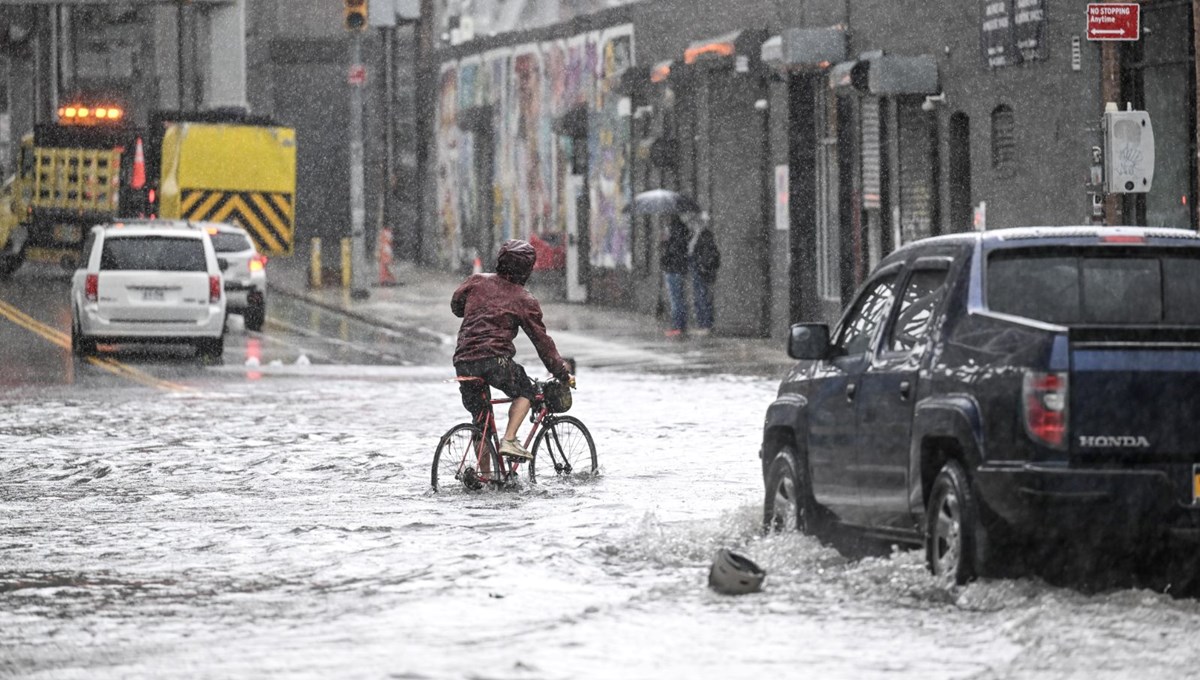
[(1004, 141)]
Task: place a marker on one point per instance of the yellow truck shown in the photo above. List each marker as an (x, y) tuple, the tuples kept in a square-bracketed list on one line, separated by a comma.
[(87, 169)]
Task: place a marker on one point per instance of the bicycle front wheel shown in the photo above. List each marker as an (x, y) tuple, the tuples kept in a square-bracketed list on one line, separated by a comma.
[(564, 448), (456, 461)]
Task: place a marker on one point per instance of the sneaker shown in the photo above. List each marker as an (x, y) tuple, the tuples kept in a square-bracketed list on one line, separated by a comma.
[(513, 449), (673, 333), (700, 332)]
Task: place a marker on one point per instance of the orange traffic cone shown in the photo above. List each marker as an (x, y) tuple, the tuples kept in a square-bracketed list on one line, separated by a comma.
[(139, 167), (384, 249), (477, 266)]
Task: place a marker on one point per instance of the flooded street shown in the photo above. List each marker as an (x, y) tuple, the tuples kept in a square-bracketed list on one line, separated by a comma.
[(284, 527)]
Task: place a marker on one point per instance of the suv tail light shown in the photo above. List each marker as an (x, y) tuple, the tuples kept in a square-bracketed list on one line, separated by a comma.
[(214, 289), (91, 287), (1044, 397), (258, 263)]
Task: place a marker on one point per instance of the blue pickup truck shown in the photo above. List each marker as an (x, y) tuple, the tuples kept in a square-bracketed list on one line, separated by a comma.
[(987, 392)]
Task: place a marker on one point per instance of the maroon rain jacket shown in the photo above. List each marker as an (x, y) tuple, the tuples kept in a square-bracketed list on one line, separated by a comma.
[(492, 309)]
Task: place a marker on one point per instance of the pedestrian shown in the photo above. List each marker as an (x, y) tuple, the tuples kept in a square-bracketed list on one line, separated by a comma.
[(674, 262), (704, 259)]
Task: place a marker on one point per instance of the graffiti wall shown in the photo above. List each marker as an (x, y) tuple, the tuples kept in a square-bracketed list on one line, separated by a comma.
[(490, 17), (508, 124)]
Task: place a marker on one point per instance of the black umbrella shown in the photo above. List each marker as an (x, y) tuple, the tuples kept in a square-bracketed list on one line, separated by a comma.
[(662, 202)]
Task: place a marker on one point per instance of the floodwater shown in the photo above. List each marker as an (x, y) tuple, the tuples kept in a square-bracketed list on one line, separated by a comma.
[(284, 527)]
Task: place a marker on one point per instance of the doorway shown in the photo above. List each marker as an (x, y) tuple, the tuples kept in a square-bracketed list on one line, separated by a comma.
[(959, 181)]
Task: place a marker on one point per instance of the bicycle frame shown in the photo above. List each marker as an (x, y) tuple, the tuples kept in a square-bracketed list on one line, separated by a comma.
[(487, 425)]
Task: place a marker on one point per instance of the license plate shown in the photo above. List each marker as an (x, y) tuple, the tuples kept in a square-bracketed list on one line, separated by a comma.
[(1196, 483), (153, 295)]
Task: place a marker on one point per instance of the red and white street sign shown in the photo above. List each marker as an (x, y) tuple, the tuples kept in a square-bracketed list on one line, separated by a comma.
[(1113, 21), (357, 74)]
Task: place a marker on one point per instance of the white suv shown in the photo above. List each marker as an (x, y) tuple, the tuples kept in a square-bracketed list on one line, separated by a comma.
[(148, 281), (246, 275)]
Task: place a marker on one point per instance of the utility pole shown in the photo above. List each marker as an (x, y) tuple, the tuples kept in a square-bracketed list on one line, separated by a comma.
[(355, 18), (1196, 105), (1110, 91), (425, 82), (358, 213), (389, 126)]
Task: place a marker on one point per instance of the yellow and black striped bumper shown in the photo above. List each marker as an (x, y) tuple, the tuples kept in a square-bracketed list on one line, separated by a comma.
[(267, 217)]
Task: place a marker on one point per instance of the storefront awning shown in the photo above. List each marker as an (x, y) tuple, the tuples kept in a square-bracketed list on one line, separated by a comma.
[(727, 48), (805, 48), (888, 75)]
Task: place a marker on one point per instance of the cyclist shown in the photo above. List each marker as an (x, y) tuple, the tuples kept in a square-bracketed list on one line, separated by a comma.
[(493, 307)]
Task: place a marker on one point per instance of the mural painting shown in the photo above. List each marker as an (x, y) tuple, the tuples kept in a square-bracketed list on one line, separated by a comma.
[(528, 89)]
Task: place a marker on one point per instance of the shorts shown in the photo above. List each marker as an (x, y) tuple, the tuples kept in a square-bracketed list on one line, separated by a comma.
[(502, 373)]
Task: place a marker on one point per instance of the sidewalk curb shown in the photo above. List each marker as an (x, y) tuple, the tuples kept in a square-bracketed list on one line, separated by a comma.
[(417, 332)]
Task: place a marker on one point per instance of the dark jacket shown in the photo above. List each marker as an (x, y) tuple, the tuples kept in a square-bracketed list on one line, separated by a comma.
[(674, 257), (706, 259), (492, 309)]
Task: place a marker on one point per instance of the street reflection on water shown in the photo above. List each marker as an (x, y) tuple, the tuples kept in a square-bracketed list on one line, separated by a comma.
[(284, 526)]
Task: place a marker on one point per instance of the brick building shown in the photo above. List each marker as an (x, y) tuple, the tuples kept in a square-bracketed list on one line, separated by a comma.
[(819, 135)]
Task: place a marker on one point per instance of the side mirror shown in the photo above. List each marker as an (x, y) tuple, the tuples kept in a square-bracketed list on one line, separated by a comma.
[(808, 341), (222, 263)]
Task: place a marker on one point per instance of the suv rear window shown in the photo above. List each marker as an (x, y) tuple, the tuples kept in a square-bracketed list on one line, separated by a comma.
[(1096, 288), (153, 253), (227, 242)]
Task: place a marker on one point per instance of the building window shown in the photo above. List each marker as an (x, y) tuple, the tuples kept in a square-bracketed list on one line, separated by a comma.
[(1004, 141)]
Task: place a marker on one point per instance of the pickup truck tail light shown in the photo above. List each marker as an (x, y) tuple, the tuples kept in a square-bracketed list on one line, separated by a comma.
[(1044, 398), (91, 287), (214, 289)]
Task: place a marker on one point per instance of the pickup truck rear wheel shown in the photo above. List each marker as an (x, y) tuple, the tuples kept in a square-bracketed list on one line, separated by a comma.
[(789, 504), (952, 526)]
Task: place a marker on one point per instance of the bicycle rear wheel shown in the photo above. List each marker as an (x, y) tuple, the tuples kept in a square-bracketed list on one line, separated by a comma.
[(456, 461), (564, 448)]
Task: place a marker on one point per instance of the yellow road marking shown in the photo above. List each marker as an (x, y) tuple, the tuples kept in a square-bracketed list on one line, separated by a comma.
[(63, 340)]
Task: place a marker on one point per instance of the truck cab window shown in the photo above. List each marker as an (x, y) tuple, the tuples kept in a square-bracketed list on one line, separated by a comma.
[(863, 321), (918, 304)]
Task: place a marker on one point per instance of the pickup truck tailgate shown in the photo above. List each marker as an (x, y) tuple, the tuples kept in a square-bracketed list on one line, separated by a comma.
[(1135, 394)]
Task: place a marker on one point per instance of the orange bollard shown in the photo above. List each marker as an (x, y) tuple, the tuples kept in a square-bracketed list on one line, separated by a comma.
[(384, 251)]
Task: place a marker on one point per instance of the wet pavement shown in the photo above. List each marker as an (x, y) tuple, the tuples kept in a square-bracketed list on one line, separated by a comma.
[(275, 520)]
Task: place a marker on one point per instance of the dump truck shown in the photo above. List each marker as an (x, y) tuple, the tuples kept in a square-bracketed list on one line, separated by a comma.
[(92, 166)]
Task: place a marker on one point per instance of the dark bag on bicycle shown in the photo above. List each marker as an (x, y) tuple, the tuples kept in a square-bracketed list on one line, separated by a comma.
[(558, 396)]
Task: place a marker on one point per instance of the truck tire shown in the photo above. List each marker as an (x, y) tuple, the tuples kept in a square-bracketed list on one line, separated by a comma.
[(9, 264), (952, 529), (789, 504)]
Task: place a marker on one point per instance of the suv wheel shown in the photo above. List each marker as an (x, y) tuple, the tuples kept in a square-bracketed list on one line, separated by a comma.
[(951, 526), (255, 315), (81, 346), (789, 504), (210, 349)]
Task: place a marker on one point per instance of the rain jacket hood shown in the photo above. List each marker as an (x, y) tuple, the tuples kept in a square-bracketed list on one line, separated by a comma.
[(515, 261)]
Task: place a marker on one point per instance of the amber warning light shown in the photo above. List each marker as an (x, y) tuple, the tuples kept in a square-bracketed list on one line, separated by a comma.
[(87, 115)]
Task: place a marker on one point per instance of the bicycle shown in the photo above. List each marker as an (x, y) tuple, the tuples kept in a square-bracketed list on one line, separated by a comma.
[(468, 453)]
